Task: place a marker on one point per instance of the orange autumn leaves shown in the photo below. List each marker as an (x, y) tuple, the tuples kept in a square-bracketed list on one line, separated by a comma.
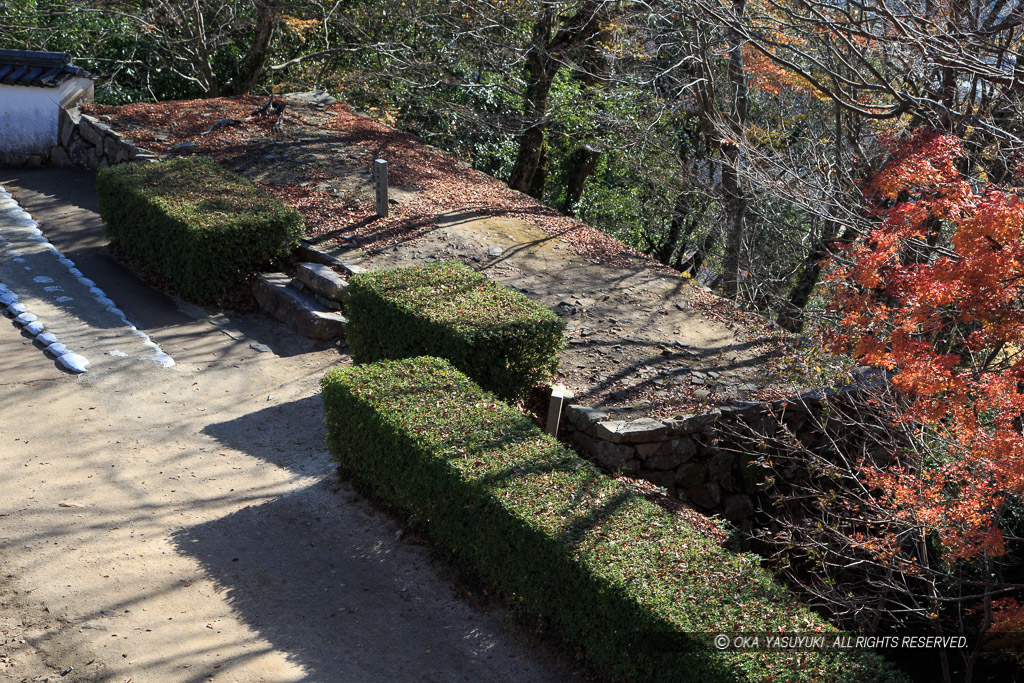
[(949, 324)]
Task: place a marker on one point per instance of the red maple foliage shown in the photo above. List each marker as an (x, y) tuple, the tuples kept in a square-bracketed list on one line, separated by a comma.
[(948, 323)]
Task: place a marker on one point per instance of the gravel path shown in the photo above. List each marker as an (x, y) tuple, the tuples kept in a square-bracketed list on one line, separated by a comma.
[(185, 523)]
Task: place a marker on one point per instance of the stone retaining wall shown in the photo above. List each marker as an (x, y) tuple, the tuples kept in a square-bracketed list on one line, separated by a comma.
[(83, 142), (86, 142), (710, 460)]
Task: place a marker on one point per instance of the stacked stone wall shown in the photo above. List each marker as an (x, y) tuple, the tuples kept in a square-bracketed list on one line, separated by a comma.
[(83, 142), (715, 460), (88, 143)]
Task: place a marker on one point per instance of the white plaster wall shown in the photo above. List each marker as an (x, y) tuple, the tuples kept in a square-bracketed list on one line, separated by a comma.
[(28, 119)]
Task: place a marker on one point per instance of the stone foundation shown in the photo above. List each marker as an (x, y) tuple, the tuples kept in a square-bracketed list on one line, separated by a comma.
[(87, 143), (711, 460)]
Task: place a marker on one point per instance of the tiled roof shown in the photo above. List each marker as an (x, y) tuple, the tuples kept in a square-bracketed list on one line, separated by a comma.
[(39, 69)]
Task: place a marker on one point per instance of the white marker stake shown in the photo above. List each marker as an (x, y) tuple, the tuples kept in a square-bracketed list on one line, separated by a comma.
[(559, 395), (380, 174)]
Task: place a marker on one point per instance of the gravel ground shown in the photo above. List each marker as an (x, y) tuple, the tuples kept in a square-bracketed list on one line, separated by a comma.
[(186, 523)]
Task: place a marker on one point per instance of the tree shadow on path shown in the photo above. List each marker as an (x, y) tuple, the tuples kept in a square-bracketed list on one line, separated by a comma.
[(290, 435), (323, 576)]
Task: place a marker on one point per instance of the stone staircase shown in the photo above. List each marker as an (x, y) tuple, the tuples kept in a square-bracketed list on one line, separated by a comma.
[(311, 302)]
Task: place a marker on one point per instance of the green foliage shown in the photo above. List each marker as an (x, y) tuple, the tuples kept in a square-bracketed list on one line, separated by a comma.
[(502, 339), (466, 113), (199, 225), (153, 51), (632, 584), (109, 45)]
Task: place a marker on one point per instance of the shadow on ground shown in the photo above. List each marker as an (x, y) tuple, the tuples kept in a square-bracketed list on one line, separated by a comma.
[(63, 202), (321, 575), (290, 435)]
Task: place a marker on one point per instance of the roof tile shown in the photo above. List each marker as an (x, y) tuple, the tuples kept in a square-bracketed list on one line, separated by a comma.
[(38, 69)]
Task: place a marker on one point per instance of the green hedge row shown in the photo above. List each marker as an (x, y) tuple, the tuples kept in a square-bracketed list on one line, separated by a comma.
[(500, 338), (201, 226), (632, 584)]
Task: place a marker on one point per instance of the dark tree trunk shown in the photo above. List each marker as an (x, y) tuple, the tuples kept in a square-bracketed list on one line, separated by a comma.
[(691, 262), (540, 74), (255, 64), (540, 175), (581, 165), (733, 193), (949, 80), (531, 142), (545, 57), (791, 317), (736, 213), (528, 159), (675, 229), (211, 86), (596, 69), (594, 72)]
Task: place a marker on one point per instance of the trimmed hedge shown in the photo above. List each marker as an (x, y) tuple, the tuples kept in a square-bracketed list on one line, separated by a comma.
[(632, 584), (500, 338), (201, 226)]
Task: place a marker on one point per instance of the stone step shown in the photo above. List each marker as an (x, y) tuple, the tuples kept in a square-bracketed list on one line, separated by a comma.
[(296, 309), (309, 252), (322, 279)]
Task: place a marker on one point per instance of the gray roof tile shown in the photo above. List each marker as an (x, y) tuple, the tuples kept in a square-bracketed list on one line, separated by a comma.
[(38, 69)]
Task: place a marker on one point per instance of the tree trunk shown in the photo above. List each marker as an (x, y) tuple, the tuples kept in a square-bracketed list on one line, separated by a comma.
[(528, 159), (255, 64), (596, 69), (736, 210), (532, 145), (594, 72), (733, 193), (675, 229), (540, 174), (193, 26), (691, 262), (540, 71), (791, 317), (546, 55), (581, 165)]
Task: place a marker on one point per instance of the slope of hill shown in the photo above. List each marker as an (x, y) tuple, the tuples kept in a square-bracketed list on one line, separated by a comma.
[(642, 338)]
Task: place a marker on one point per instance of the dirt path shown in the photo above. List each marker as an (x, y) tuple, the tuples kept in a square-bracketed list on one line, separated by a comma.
[(185, 523)]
